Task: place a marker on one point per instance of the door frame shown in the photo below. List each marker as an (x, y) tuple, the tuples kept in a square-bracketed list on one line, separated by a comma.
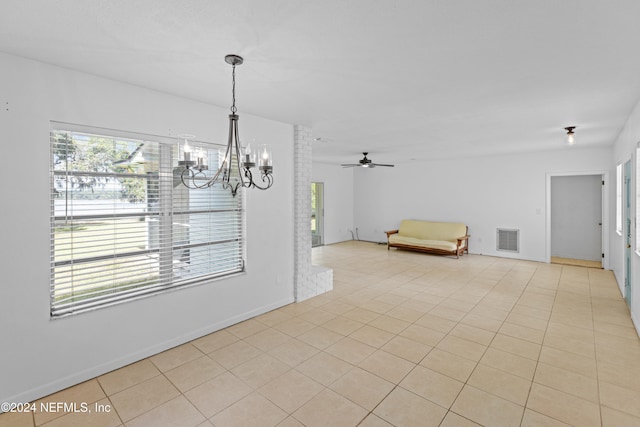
[(605, 213), (627, 227)]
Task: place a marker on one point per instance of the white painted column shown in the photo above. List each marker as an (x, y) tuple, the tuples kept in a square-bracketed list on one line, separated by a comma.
[(309, 280)]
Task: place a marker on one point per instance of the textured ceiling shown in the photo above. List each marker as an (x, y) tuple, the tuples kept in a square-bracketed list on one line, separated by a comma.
[(400, 79)]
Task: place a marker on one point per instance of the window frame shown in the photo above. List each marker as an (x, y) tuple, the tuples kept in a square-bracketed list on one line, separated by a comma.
[(167, 240)]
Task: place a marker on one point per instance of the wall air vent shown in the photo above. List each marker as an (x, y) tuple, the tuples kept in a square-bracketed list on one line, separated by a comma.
[(508, 240)]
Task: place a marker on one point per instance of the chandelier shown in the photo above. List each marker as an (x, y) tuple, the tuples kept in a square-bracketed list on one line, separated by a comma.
[(234, 171)]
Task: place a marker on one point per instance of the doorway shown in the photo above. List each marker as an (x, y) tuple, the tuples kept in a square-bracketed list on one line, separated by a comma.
[(627, 232), (576, 220), (317, 214)]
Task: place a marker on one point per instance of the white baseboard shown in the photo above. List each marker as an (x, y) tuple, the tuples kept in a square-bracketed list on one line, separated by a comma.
[(79, 377)]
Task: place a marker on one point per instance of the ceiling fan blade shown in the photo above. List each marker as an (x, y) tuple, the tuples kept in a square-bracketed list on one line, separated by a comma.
[(365, 163)]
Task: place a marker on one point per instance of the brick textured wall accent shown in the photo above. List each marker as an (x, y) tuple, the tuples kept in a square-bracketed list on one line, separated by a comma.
[(309, 280)]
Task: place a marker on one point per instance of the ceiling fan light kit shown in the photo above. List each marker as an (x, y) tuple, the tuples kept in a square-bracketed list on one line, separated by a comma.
[(365, 163)]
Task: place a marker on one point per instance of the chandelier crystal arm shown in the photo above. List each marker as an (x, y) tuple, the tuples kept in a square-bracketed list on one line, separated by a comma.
[(190, 178), (237, 147), (266, 177)]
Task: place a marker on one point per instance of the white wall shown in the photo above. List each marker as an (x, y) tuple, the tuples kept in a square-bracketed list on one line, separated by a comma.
[(624, 149), (39, 355), (338, 200), (507, 191)]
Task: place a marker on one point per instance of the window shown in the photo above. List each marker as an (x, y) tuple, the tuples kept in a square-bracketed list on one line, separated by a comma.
[(123, 226), (619, 199)]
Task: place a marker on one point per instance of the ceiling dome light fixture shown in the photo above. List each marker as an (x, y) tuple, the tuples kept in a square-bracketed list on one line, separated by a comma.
[(570, 139), (234, 170)]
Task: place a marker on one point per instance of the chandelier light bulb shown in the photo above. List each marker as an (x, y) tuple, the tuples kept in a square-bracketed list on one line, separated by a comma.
[(187, 150), (249, 157), (201, 158), (266, 160)]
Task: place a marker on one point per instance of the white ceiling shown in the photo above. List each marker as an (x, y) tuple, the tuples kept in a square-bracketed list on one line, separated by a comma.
[(403, 79)]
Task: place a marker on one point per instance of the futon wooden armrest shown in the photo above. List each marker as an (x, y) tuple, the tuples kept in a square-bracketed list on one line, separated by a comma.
[(464, 249), (390, 232)]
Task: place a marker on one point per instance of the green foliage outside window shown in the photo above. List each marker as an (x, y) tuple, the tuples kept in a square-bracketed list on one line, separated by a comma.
[(100, 155)]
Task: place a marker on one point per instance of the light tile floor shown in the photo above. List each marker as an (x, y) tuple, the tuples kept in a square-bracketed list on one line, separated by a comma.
[(404, 339)]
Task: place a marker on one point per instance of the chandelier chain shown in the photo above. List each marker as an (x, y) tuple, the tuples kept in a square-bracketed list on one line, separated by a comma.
[(233, 90)]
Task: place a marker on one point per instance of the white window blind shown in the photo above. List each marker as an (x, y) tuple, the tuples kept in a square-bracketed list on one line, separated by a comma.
[(123, 226)]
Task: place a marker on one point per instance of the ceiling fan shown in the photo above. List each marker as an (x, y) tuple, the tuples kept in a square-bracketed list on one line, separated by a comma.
[(365, 163)]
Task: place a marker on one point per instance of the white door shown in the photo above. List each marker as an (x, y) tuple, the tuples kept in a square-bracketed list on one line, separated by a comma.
[(576, 217)]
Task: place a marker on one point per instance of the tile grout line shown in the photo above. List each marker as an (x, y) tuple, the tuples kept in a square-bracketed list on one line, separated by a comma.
[(555, 295)]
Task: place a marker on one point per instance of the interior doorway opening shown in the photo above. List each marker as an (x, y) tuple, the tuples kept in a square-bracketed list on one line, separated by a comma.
[(576, 220), (317, 214)]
